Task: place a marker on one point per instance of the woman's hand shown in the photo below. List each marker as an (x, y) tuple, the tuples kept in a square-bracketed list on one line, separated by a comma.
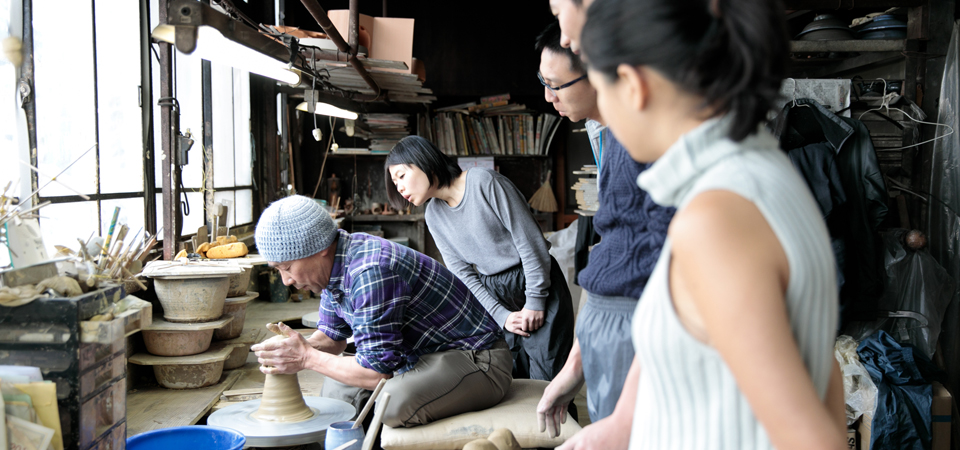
[(532, 319), (515, 324), (552, 409), (604, 434), (283, 354)]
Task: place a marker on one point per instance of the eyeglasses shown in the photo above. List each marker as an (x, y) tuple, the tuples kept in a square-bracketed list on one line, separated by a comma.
[(554, 89)]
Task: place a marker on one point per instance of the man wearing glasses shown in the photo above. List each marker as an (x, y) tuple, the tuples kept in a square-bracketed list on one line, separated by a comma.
[(633, 229), (566, 86)]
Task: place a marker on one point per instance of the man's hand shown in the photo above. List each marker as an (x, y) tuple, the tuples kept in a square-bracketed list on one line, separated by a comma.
[(552, 409), (515, 324), (604, 434), (282, 355), (532, 319)]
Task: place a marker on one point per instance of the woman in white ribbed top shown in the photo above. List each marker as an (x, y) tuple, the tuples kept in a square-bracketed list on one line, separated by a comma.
[(734, 332)]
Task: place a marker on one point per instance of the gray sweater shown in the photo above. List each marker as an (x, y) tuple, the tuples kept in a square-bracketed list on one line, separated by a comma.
[(490, 231)]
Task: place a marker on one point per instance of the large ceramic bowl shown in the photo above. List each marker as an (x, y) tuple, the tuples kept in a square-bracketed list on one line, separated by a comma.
[(884, 27), (188, 300), (240, 282), (826, 27)]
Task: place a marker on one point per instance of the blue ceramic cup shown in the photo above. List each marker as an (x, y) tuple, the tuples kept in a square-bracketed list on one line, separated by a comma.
[(340, 433)]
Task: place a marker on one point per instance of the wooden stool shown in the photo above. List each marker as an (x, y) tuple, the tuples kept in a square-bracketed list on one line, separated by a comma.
[(517, 412)]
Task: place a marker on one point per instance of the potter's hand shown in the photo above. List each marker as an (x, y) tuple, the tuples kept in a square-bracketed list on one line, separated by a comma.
[(515, 324), (286, 353), (532, 319), (604, 434), (552, 409)]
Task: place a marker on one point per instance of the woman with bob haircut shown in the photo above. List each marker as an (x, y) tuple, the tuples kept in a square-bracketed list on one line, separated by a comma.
[(734, 334), (490, 240)]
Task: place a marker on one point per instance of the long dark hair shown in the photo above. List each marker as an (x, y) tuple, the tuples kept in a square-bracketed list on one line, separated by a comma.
[(733, 53), (419, 152)]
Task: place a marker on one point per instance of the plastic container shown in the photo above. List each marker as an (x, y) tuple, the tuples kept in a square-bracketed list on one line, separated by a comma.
[(193, 436)]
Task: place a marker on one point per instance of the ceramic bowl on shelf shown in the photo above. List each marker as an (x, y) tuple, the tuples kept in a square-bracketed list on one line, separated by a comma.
[(885, 26), (826, 27)]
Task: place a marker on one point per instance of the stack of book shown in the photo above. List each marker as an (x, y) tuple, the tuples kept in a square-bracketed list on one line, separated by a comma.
[(494, 126), (386, 130), (588, 200)]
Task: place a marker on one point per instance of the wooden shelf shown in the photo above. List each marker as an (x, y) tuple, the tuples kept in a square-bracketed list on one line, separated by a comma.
[(880, 45), (385, 218)]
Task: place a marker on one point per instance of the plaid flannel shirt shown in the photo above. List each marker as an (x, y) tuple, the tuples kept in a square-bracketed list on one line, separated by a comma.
[(399, 304)]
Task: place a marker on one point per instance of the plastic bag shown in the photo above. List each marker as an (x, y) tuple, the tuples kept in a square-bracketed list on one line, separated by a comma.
[(563, 246), (859, 391), (917, 294)]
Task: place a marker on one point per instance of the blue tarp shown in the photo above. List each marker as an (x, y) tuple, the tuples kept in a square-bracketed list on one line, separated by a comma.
[(902, 416)]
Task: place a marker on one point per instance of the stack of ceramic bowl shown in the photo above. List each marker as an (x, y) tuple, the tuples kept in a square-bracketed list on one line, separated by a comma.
[(826, 27), (235, 305), (884, 26), (192, 296)]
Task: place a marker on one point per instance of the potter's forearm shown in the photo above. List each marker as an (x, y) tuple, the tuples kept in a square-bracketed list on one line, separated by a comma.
[(345, 370), (320, 341)]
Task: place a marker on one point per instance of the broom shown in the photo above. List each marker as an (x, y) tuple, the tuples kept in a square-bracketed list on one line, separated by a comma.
[(543, 200)]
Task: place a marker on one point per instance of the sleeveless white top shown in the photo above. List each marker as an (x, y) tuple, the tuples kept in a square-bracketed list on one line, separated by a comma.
[(687, 397)]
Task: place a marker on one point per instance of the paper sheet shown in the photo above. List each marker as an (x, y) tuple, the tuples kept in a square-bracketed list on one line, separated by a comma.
[(27, 435), (44, 397)]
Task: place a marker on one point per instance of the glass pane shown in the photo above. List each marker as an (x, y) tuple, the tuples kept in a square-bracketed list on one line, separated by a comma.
[(195, 219), (243, 142), (190, 222), (118, 108), (131, 214), (10, 171), (226, 197), (64, 223), (189, 92), (155, 78), (222, 84), (64, 89), (244, 202)]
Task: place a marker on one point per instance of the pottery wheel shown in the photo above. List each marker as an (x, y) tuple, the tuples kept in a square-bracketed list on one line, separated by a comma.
[(282, 434)]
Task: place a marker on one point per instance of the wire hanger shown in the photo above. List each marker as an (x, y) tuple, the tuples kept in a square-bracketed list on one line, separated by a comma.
[(796, 87), (885, 105)]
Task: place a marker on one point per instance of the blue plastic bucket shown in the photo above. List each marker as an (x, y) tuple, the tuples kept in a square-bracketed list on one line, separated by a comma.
[(194, 436)]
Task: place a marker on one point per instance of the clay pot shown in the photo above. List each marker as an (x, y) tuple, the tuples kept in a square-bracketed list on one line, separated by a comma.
[(177, 343), (239, 283), (235, 307), (237, 358), (233, 329), (187, 300), (188, 376)]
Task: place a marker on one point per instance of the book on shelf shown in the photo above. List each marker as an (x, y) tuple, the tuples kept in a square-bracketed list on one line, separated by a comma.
[(494, 127), (495, 98)]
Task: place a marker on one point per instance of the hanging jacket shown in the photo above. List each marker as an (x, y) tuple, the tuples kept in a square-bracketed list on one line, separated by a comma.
[(805, 123)]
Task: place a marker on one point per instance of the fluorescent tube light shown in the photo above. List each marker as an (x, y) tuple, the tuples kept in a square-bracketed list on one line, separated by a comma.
[(326, 109), (213, 46)]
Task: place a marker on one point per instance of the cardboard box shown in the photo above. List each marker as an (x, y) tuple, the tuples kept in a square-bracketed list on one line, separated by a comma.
[(940, 414), (941, 411), (852, 439), (391, 38)]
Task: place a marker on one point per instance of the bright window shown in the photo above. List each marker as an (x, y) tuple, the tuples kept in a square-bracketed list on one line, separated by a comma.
[(85, 96)]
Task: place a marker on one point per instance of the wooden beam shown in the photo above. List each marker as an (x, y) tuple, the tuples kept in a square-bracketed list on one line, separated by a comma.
[(849, 4), (884, 45)]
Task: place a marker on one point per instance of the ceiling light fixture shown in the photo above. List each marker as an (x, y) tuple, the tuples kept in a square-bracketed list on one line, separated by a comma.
[(198, 29), (326, 109)]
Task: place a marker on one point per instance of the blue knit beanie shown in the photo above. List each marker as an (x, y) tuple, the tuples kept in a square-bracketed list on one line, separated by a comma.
[(294, 228)]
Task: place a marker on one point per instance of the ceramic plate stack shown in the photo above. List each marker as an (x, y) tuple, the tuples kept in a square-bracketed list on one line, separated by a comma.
[(192, 296)]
